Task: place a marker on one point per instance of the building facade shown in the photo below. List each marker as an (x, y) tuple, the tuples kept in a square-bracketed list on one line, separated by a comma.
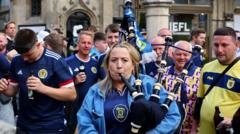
[(181, 16)]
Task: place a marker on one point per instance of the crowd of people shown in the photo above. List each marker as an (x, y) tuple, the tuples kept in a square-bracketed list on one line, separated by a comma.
[(46, 89)]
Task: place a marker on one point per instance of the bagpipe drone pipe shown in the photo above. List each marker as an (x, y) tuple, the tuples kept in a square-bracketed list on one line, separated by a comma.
[(129, 32), (147, 114)]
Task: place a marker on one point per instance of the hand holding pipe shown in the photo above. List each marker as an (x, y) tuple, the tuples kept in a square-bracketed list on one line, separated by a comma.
[(145, 115), (180, 80), (161, 70)]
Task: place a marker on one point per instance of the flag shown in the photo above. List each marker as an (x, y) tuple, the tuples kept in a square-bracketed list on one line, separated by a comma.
[(129, 27)]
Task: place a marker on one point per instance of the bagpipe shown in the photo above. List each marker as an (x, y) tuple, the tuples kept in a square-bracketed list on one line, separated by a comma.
[(223, 129), (147, 114), (198, 49)]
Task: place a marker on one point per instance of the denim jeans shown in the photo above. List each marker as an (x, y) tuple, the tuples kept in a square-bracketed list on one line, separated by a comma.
[(6, 113)]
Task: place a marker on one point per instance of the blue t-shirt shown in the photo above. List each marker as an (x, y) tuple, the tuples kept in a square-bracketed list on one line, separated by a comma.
[(91, 70), (43, 113)]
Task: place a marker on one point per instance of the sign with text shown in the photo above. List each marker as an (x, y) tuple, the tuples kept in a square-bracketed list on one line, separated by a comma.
[(180, 28)]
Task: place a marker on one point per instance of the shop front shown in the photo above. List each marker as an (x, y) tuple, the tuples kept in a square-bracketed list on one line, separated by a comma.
[(182, 24)]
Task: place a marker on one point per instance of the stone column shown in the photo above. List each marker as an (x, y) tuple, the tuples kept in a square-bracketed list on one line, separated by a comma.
[(222, 11), (157, 16), (107, 14)]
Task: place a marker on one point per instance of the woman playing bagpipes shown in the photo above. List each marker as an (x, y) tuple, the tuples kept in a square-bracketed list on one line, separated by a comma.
[(107, 105)]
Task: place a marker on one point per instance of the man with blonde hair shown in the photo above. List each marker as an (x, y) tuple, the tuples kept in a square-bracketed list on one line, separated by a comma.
[(86, 72)]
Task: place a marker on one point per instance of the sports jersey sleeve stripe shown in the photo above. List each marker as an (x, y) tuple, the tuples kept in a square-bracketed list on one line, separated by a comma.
[(49, 55), (67, 83), (52, 54), (13, 82)]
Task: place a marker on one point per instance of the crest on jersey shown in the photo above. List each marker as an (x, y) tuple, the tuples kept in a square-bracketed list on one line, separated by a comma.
[(94, 69), (230, 83), (120, 112), (42, 73)]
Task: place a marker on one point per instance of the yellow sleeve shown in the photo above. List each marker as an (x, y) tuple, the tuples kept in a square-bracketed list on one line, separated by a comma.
[(201, 89)]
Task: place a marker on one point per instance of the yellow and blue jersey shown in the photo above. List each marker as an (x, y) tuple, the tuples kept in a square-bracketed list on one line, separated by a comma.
[(225, 94)]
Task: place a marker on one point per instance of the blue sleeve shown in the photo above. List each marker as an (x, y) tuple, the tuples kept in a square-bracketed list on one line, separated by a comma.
[(4, 65), (63, 72), (13, 74), (85, 117), (151, 69), (101, 73)]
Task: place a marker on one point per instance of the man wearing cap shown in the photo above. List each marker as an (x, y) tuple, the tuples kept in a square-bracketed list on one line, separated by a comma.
[(158, 44), (43, 80)]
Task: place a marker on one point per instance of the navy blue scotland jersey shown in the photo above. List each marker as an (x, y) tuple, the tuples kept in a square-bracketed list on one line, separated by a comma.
[(91, 70), (43, 112)]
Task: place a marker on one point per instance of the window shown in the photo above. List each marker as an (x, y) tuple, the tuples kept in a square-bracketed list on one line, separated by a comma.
[(4, 12), (200, 2), (181, 1), (4, 3), (193, 2), (237, 3), (36, 7), (182, 24)]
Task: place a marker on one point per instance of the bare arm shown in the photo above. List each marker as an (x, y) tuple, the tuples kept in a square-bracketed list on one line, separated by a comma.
[(8, 88)]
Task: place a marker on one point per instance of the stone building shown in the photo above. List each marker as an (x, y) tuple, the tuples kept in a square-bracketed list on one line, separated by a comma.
[(181, 16)]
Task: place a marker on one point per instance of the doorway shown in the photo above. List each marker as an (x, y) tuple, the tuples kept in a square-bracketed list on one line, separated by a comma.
[(76, 21)]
